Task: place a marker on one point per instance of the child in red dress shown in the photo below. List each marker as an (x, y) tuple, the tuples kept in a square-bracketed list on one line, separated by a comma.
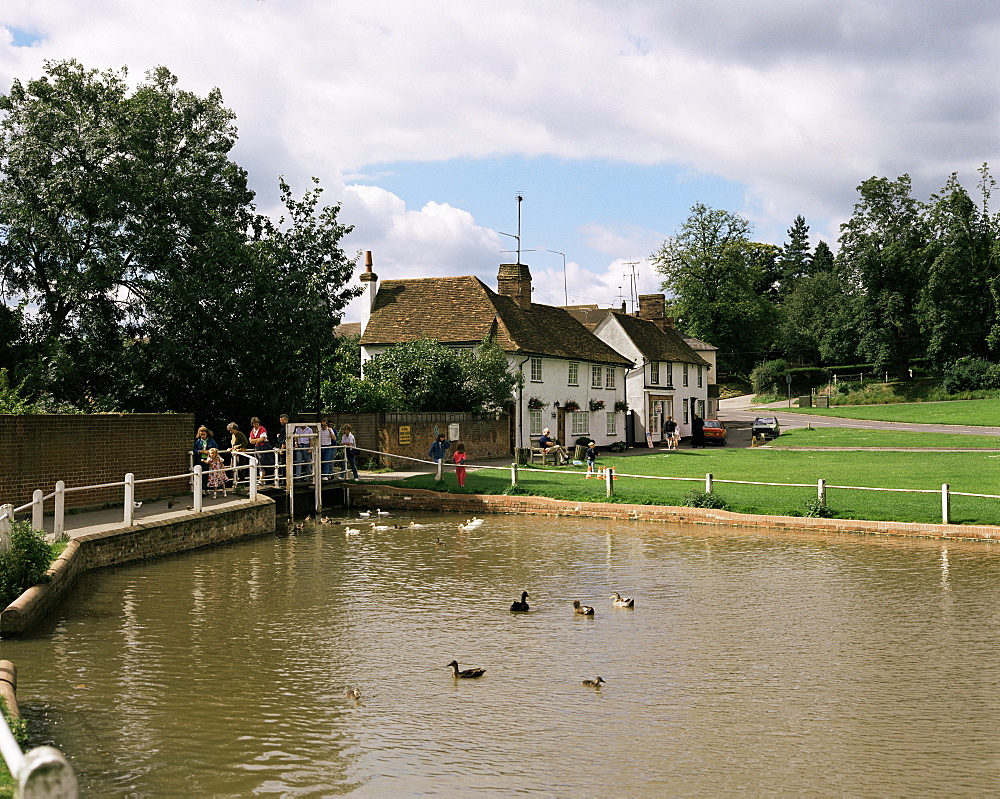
[(459, 458)]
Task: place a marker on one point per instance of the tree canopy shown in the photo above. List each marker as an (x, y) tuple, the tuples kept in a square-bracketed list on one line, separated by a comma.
[(135, 264)]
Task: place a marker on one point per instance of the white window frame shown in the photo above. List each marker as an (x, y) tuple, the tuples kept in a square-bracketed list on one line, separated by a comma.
[(580, 424), (684, 376), (654, 373), (612, 423), (686, 408), (596, 376), (699, 376), (701, 408), (574, 374), (536, 370), (534, 423), (669, 374), (609, 377)]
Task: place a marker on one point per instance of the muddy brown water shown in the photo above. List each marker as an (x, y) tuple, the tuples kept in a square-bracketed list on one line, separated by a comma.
[(752, 663)]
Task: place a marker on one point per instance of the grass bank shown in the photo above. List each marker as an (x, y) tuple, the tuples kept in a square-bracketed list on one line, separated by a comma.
[(859, 437), (964, 471), (982, 412)]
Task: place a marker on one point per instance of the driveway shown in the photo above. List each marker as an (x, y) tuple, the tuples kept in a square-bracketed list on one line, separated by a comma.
[(741, 409)]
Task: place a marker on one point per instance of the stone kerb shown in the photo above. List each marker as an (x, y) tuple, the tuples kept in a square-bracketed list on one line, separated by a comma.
[(421, 499), (142, 541)]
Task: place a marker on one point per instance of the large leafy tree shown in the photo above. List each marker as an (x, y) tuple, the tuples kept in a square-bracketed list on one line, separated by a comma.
[(149, 281), (720, 281)]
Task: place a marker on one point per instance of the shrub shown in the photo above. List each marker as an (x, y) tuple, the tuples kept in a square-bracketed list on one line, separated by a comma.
[(769, 376), (703, 499), (24, 564), (814, 509), (17, 726), (970, 374)]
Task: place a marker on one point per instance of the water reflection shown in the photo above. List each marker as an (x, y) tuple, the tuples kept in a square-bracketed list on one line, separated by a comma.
[(751, 663)]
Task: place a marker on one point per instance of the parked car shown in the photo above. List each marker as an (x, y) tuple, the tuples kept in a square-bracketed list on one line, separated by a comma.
[(766, 426), (715, 432)]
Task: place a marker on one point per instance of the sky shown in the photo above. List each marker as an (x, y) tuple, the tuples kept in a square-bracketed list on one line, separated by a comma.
[(427, 120)]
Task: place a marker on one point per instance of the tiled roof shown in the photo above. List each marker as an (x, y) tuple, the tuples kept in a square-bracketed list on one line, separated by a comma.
[(463, 310), (348, 329), (697, 343), (656, 344)]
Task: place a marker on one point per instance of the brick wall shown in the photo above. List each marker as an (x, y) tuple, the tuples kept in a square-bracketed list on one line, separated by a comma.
[(89, 450), (486, 436)]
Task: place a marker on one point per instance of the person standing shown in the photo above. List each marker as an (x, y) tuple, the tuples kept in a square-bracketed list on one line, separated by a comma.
[(327, 438), (203, 442), (280, 440), (347, 439), (591, 460), (669, 428), (439, 448), (261, 446), (697, 432), (302, 443), (237, 443), (459, 458)]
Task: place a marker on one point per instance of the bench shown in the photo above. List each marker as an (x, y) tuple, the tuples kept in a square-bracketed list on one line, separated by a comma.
[(541, 456)]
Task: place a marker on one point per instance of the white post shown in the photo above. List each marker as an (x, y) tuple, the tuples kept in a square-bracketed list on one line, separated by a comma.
[(440, 467), (45, 772), (59, 518), (317, 458), (821, 491), (945, 504), (7, 512), (129, 498), (513, 475), (196, 505), (609, 481), (253, 479), (38, 509), (708, 483)]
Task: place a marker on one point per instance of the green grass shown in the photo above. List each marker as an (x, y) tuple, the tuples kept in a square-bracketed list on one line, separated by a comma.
[(983, 412), (965, 471), (857, 437)]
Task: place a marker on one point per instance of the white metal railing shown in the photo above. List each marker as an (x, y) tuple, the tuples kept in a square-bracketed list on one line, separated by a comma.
[(39, 498)]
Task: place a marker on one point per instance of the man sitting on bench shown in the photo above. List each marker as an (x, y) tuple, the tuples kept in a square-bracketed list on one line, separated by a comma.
[(560, 455)]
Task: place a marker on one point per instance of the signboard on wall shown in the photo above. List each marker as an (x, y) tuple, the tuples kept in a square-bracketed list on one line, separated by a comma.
[(453, 434), (405, 434)]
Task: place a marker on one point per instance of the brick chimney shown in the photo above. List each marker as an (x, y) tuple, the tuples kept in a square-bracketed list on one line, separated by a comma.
[(653, 307), (370, 281), (514, 280)]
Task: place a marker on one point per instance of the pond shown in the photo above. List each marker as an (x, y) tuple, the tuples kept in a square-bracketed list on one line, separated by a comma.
[(752, 662)]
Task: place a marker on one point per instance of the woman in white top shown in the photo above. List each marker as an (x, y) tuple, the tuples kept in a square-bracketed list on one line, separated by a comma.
[(326, 442), (347, 439)]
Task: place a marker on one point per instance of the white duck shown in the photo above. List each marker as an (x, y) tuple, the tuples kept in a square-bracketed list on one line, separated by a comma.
[(620, 601), (351, 531), (380, 526), (365, 514), (380, 512)]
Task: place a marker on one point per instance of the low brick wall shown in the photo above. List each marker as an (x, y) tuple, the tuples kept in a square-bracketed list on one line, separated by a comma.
[(127, 544), (417, 499)]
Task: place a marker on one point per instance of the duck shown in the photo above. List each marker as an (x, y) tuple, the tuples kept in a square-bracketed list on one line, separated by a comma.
[(583, 610), (326, 520), (520, 606), (473, 523), (468, 674), (351, 531), (415, 526), (355, 694), (437, 541), (620, 601), (365, 514), (380, 512), (595, 683), (466, 527), (380, 526)]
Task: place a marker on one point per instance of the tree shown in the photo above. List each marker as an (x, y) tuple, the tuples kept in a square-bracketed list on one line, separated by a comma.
[(822, 259), (710, 268), (880, 247), (795, 261)]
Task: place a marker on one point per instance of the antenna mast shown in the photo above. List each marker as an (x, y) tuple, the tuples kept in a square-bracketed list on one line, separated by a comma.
[(520, 199)]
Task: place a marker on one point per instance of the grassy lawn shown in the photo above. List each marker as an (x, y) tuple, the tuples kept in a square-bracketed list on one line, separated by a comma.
[(964, 471), (984, 412), (857, 437)]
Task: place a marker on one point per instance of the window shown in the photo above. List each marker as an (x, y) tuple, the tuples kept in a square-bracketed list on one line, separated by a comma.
[(574, 373), (684, 377), (701, 408), (596, 376), (609, 377), (612, 424), (534, 423), (670, 375), (581, 423), (685, 412), (699, 377), (536, 370), (654, 372)]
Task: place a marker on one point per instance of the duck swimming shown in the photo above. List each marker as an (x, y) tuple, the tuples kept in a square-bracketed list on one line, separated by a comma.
[(583, 610), (365, 514), (522, 606), (351, 531), (467, 673), (355, 694), (594, 683), (620, 601), (380, 526)]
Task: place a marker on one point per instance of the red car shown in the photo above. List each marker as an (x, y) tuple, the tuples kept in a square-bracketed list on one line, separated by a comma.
[(715, 432)]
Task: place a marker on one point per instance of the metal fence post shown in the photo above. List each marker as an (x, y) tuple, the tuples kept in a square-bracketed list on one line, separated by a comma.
[(513, 475), (129, 498), (708, 483), (253, 478), (59, 518), (821, 491), (945, 504), (196, 505), (609, 481), (38, 509)]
